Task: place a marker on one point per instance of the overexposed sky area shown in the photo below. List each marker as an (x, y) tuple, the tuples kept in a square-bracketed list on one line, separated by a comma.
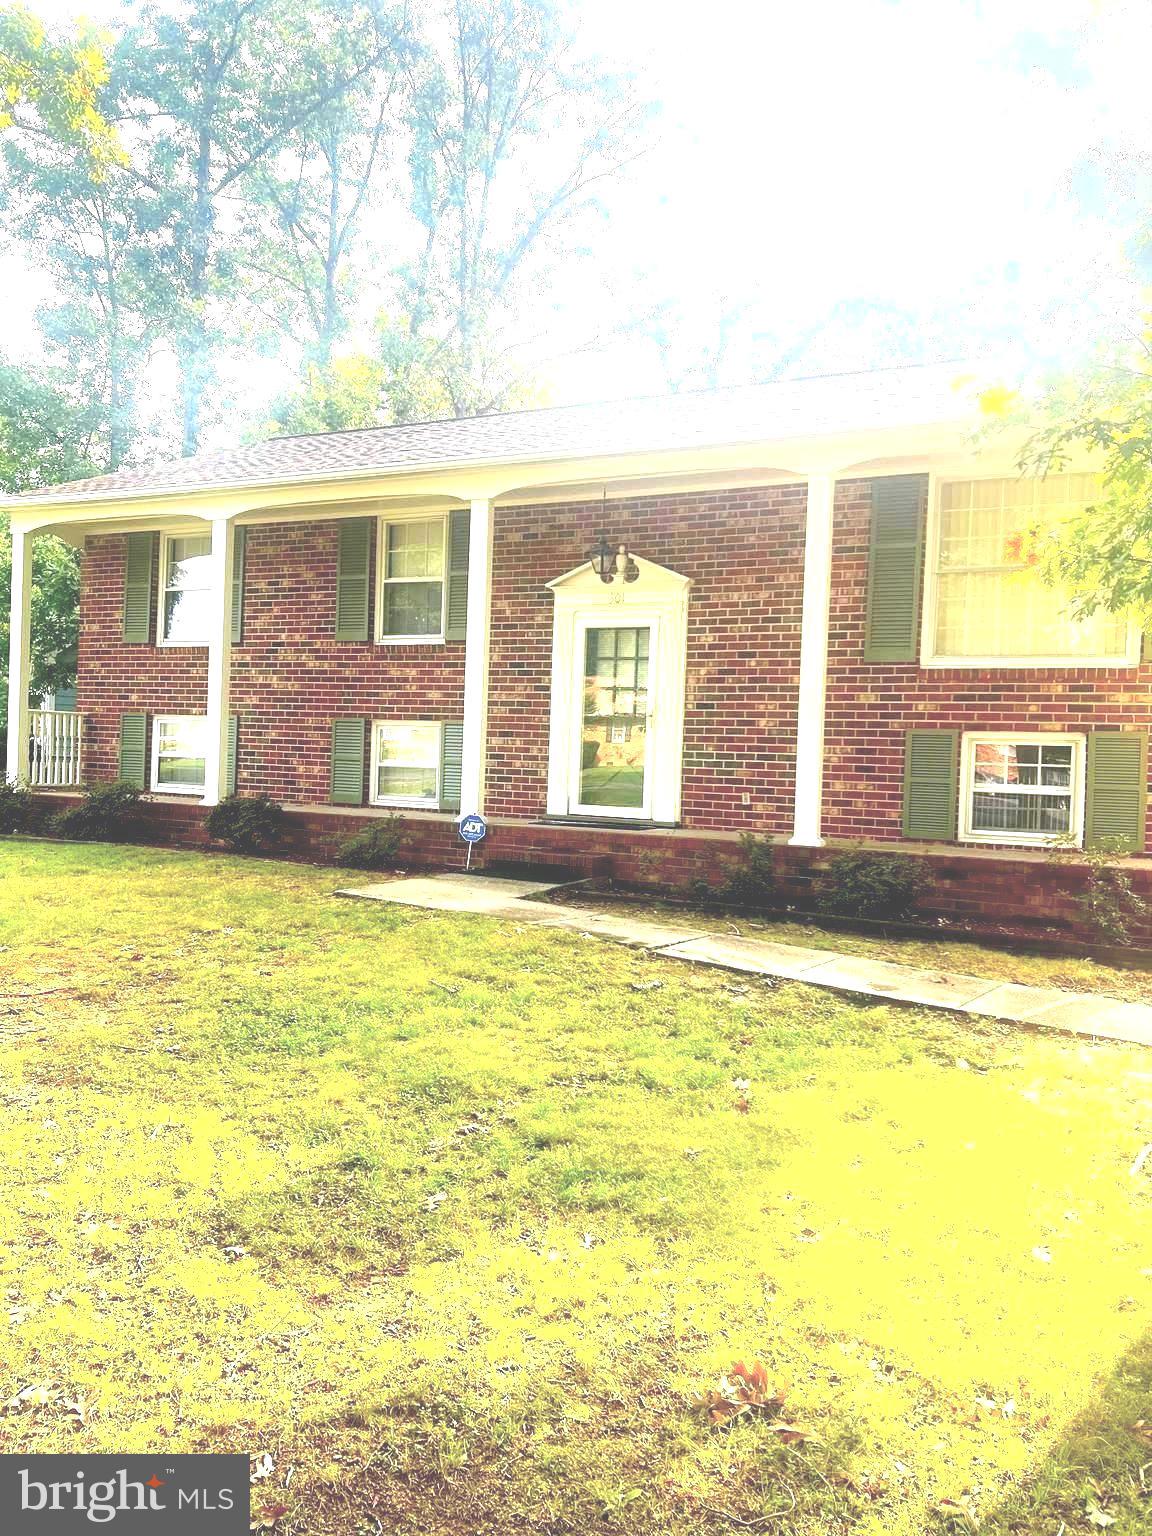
[(963, 172)]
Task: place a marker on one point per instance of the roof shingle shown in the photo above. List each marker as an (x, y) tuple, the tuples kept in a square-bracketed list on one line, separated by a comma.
[(797, 408)]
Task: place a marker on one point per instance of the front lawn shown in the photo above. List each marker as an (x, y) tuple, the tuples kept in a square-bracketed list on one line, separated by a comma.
[(454, 1219)]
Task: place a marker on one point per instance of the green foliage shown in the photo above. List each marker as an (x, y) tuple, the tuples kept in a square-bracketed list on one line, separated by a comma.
[(1102, 555), (247, 824), (45, 436), (1106, 898), (54, 83), (16, 805), (406, 379), (496, 217), (378, 846), (752, 883), (47, 428), (345, 394), (55, 605), (107, 813), (861, 884)]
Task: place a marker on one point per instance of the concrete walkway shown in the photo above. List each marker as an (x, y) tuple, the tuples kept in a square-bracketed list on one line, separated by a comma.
[(1080, 1013)]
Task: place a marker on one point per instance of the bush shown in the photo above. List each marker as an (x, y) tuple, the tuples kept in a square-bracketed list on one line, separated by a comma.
[(859, 884), (107, 812), (752, 883), (246, 824), (1107, 903), (15, 807), (377, 847)]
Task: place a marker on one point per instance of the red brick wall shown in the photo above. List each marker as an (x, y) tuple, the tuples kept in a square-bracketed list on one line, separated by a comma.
[(744, 551), (872, 706), (113, 678), (290, 676)]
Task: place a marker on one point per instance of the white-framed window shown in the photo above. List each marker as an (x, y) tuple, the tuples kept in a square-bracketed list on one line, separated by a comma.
[(986, 604), (185, 589), (410, 585), (1022, 787), (406, 763), (178, 753)]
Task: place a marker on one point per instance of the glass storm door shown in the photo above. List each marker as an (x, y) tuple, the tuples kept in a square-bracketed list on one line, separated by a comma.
[(611, 775)]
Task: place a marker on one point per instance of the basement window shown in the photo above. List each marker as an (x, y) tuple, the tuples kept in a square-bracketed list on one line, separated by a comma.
[(178, 754), (1023, 789), (406, 764)]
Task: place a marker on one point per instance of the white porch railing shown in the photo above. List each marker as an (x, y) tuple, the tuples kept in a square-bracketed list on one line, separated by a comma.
[(54, 741)]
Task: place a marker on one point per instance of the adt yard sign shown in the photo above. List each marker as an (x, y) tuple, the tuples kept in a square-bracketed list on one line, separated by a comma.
[(472, 829)]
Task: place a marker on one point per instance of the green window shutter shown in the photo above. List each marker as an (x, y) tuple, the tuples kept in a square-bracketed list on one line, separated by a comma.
[(134, 749), (239, 550), (931, 785), (895, 559), (347, 762), (451, 764), (456, 609), (352, 579), (230, 760), (1117, 790), (139, 566)]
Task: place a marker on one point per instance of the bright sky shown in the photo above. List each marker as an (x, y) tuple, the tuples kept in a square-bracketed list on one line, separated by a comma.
[(973, 166)]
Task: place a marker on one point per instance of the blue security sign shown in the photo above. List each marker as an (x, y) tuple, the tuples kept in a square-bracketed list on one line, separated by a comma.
[(473, 828)]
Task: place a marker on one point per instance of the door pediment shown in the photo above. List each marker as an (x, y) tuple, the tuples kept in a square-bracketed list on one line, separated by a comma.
[(582, 585)]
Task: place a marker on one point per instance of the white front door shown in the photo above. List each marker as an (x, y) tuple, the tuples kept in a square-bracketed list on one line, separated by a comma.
[(614, 734)]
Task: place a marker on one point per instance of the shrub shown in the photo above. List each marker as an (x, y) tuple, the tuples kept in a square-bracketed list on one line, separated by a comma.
[(376, 847), (246, 824), (859, 884), (106, 813), (752, 883), (15, 807), (1107, 902)]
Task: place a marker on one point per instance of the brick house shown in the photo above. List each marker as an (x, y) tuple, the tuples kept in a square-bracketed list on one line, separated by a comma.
[(625, 634)]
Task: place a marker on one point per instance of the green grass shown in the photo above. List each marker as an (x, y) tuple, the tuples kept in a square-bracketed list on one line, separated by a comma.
[(454, 1219)]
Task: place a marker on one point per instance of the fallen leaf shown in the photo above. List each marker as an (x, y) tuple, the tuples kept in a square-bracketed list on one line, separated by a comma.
[(262, 1466), (433, 1202), (794, 1434), (1097, 1516), (744, 1390), (233, 1251), (1042, 1253), (267, 1517), (958, 1513)]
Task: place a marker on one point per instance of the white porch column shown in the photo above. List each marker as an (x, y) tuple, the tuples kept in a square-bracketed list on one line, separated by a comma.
[(806, 831), (476, 657), (19, 655), (219, 662)]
